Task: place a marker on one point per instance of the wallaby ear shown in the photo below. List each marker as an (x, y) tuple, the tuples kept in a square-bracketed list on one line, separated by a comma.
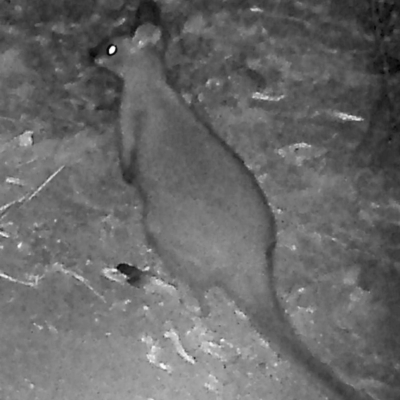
[(147, 34)]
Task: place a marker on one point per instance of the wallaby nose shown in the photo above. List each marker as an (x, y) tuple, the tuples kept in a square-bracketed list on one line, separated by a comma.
[(93, 52)]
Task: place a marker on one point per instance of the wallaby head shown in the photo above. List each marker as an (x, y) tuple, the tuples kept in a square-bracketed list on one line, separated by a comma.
[(120, 54), (148, 12)]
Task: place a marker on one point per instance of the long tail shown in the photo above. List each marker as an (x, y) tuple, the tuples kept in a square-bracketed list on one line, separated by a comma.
[(254, 293), (274, 325)]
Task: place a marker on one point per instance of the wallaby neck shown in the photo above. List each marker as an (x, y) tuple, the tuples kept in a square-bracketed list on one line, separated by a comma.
[(145, 85), (145, 67)]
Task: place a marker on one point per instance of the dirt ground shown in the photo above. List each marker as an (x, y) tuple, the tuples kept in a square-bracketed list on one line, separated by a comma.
[(283, 84)]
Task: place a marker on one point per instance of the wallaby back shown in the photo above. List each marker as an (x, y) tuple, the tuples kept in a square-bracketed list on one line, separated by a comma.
[(204, 212)]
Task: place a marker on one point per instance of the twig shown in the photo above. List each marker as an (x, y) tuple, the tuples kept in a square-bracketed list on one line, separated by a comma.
[(59, 267), (32, 282), (25, 198)]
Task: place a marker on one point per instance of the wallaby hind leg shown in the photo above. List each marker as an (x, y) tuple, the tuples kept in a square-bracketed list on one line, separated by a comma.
[(180, 266)]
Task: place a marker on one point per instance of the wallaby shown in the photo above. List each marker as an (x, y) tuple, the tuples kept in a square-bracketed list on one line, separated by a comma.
[(204, 212)]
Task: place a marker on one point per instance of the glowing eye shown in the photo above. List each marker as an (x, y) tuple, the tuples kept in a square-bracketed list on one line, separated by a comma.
[(112, 50)]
